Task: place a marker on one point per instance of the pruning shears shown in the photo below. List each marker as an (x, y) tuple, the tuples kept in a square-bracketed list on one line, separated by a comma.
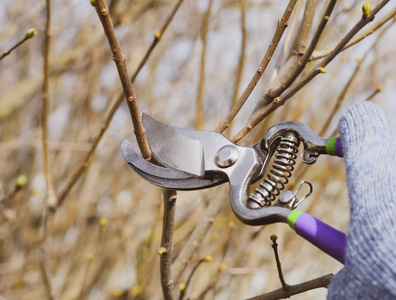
[(191, 159)]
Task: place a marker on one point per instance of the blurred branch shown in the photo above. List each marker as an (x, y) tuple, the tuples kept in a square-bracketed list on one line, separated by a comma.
[(391, 15), (241, 62), (376, 91), (120, 61), (183, 287), (201, 84), (51, 196), (29, 34), (90, 256), (112, 109), (166, 249), (279, 101), (43, 256), (282, 24), (340, 98), (19, 184), (323, 281), (199, 233), (298, 61)]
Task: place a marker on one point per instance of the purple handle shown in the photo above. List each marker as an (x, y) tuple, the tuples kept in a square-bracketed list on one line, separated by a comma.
[(323, 236)]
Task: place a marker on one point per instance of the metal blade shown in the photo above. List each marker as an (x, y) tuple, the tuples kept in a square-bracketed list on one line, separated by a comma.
[(173, 149)]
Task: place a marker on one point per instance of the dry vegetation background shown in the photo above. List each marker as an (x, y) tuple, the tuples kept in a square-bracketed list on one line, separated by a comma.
[(89, 257)]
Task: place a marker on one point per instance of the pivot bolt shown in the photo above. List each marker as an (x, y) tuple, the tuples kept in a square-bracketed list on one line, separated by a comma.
[(227, 156)]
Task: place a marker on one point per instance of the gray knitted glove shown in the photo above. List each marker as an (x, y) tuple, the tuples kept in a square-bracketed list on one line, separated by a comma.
[(370, 161)]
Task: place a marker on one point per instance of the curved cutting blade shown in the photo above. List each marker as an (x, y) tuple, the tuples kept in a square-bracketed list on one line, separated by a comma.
[(173, 149), (164, 177)]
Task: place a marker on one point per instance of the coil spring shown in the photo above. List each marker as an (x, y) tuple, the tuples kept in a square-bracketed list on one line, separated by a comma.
[(278, 176)]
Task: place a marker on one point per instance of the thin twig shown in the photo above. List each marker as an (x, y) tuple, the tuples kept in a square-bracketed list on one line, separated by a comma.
[(31, 33), (320, 282), (166, 249), (51, 196), (391, 15), (184, 289), (120, 61), (19, 184), (279, 101), (278, 263), (377, 90), (112, 109), (201, 84), (241, 62), (282, 24)]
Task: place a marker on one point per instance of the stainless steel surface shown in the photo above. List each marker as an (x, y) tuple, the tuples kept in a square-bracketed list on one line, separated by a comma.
[(194, 159), (227, 156), (165, 177), (314, 145), (172, 149)]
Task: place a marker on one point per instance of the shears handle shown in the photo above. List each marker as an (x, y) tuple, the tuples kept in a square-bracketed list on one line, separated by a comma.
[(323, 236)]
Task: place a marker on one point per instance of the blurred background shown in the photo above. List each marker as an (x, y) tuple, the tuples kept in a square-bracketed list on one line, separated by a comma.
[(102, 242)]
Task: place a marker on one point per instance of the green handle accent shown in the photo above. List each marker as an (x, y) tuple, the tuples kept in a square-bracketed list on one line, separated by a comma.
[(292, 218), (331, 146)]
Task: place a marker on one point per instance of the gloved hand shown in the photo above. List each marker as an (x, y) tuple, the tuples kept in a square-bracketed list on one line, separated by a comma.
[(370, 161)]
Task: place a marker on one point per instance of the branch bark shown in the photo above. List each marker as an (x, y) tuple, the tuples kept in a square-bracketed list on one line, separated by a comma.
[(323, 281), (167, 245), (120, 61)]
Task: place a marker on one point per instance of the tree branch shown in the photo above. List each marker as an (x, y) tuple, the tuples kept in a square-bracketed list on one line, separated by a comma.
[(323, 281), (112, 109), (201, 84), (279, 101), (282, 24), (166, 249), (120, 61), (241, 62), (322, 53), (29, 34)]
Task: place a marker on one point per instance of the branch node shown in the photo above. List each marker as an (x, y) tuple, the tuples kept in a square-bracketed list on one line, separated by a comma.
[(103, 11)]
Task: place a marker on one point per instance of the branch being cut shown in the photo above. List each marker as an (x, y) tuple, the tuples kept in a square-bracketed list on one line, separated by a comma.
[(112, 108), (120, 61)]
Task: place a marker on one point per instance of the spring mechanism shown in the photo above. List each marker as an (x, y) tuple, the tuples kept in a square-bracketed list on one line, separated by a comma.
[(278, 176)]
